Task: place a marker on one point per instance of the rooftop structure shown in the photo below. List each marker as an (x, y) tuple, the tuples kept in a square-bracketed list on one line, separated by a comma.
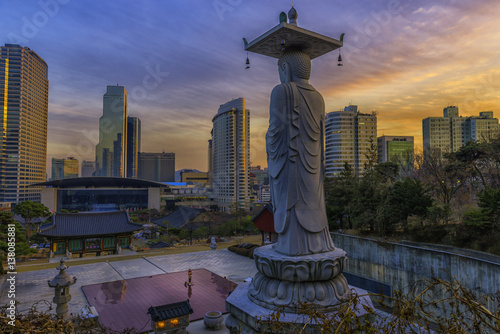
[(179, 218)]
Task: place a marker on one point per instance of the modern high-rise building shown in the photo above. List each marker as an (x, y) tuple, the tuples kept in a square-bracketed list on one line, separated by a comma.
[(24, 99), (349, 137), (159, 167), (395, 148), (133, 146), (231, 155), (111, 151), (210, 162), (64, 168), (448, 133), (88, 168)]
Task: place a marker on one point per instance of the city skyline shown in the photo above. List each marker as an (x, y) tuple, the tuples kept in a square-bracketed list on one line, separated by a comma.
[(181, 60)]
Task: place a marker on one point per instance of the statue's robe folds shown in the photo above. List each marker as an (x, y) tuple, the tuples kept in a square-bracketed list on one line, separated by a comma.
[(296, 174)]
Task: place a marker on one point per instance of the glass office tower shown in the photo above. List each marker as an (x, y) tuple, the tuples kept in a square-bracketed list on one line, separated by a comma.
[(111, 151)]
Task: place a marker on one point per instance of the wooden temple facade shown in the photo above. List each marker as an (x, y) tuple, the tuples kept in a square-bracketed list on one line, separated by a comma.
[(95, 232)]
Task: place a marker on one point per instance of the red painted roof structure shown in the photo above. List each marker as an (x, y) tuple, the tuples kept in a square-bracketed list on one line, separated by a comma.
[(264, 220)]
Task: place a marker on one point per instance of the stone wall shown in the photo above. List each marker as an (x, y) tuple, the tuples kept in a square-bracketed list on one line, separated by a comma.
[(402, 265)]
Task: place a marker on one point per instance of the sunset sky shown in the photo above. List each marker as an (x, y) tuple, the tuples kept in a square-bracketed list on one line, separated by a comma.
[(181, 59)]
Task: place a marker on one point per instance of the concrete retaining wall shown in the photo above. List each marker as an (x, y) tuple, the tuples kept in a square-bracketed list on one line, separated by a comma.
[(402, 265)]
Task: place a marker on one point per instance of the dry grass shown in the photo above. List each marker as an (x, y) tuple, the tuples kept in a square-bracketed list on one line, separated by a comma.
[(198, 247)]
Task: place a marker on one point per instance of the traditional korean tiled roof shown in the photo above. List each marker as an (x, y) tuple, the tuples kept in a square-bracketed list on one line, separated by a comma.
[(87, 224), (179, 217), (169, 311), (267, 207), (38, 220)]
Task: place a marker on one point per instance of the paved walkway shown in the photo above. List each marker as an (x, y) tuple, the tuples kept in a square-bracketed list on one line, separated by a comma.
[(32, 287)]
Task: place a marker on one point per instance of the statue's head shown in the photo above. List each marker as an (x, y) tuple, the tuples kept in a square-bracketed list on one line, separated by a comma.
[(294, 63)]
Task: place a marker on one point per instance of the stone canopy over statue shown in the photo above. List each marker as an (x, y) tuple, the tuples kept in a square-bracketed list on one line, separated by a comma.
[(295, 138)]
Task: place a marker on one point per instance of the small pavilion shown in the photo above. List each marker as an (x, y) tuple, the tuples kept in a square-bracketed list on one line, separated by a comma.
[(264, 221)]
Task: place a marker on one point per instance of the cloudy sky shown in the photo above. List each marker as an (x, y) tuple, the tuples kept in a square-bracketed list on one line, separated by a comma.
[(181, 59)]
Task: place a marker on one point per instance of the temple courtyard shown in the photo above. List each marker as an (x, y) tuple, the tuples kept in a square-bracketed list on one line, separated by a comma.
[(32, 287)]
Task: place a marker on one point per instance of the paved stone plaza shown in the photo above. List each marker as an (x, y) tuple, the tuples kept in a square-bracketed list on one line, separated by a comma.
[(32, 287)]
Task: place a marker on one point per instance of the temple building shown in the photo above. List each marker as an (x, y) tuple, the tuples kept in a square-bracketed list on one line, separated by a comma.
[(94, 232)]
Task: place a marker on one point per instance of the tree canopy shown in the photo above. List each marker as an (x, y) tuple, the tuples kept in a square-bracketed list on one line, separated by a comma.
[(30, 211)]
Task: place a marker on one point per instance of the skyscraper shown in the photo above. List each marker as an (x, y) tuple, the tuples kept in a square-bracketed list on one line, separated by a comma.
[(64, 168), (111, 151), (210, 162), (231, 155), (24, 96), (133, 145), (88, 168), (349, 136), (448, 133), (159, 167)]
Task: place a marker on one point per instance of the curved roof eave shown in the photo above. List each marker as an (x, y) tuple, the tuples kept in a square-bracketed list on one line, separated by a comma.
[(100, 181)]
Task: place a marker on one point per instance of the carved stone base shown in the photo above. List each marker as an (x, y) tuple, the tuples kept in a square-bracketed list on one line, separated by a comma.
[(272, 293), (286, 280), (249, 318)]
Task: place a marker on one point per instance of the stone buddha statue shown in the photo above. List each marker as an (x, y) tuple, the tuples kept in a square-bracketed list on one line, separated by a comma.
[(295, 152), (304, 265)]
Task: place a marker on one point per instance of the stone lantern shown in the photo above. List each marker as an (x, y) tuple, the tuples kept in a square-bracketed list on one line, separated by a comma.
[(61, 283)]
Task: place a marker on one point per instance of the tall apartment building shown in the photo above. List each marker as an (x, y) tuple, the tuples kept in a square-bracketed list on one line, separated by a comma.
[(88, 168), (448, 133), (24, 99), (111, 151), (349, 136), (395, 148), (231, 155), (159, 167), (64, 168), (133, 146)]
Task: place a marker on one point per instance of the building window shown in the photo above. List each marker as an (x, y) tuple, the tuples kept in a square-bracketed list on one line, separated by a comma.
[(109, 242), (123, 241), (93, 244), (75, 245)]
